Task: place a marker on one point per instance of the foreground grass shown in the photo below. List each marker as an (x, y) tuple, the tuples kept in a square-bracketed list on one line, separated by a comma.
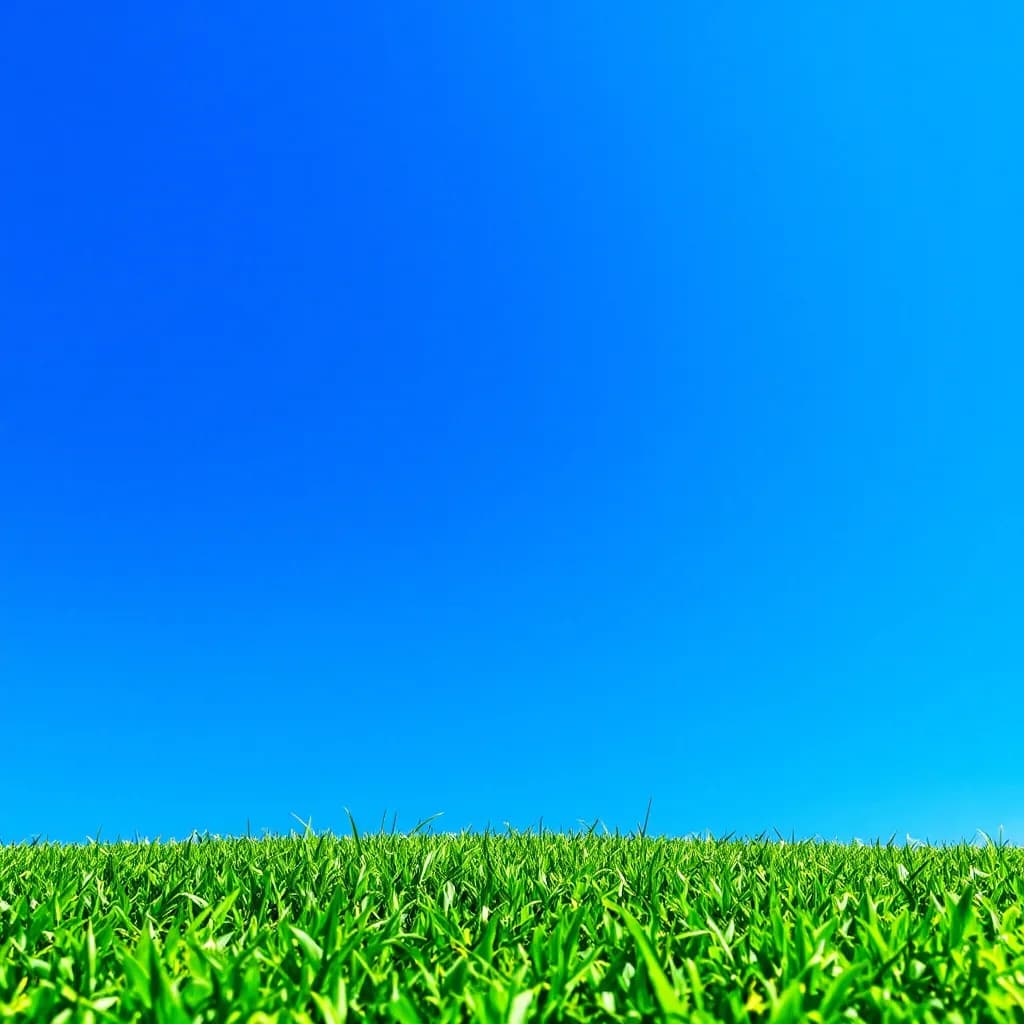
[(510, 929)]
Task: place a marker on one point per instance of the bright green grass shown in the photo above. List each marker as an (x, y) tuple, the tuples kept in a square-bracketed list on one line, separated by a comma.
[(511, 928)]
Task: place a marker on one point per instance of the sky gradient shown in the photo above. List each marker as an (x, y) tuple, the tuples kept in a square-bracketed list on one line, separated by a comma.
[(511, 411)]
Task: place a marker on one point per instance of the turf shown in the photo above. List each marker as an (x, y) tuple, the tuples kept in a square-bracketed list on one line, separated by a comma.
[(511, 928)]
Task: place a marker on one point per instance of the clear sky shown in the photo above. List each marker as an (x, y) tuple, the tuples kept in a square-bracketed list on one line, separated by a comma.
[(511, 410)]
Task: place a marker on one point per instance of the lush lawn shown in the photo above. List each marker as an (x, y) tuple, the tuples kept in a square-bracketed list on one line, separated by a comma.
[(510, 928)]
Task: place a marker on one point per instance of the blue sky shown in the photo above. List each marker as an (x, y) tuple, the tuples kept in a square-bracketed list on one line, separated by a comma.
[(512, 411)]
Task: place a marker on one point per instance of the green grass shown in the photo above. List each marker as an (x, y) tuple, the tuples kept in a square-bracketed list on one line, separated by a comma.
[(510, 928)]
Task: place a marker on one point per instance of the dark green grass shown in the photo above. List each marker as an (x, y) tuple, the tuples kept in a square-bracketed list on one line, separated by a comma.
[(510, 928)]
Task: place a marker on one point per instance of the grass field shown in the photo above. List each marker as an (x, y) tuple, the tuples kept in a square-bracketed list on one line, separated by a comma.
[(510, 928)]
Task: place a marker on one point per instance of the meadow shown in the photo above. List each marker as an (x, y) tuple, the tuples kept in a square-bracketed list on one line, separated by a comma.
[(510, 928)]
